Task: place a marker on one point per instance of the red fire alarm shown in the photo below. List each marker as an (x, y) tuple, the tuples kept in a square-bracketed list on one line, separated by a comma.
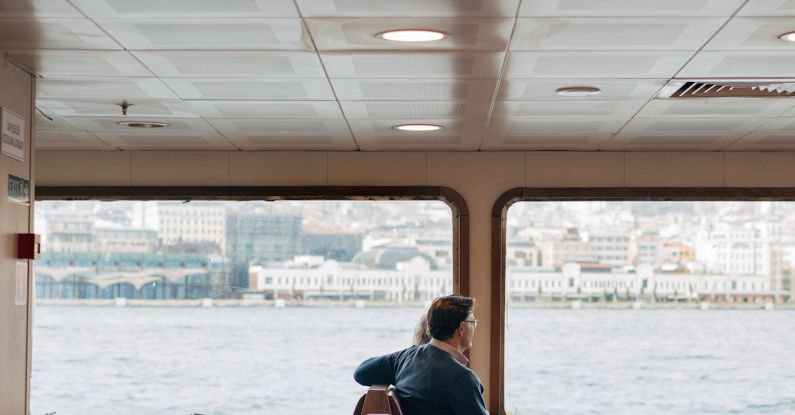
[(28, 246)]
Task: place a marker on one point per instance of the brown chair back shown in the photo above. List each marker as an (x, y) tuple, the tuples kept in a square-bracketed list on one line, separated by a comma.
[(379, 399)]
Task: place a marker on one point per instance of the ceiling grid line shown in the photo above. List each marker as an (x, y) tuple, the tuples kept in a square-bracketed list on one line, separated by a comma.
[(499, 77)]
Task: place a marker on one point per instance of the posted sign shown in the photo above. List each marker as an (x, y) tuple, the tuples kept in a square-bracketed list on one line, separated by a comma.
[(12, 135)]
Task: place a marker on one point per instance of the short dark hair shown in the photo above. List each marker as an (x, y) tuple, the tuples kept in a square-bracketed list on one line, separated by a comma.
[(446, 314)]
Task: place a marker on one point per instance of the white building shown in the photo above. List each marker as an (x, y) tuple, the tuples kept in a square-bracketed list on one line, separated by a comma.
[(414, 281), (570, 282), (192, 222)]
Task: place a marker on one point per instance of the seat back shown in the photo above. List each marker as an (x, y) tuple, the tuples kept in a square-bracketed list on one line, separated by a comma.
[(379, 399)]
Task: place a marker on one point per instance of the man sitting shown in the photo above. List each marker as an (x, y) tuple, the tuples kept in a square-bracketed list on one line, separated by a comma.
[(433, 378)]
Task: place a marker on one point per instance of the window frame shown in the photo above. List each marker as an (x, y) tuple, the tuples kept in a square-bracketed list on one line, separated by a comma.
[(457, 204), (499, 215)]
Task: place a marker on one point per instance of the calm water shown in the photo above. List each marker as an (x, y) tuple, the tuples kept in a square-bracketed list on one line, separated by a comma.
[(103, 360)]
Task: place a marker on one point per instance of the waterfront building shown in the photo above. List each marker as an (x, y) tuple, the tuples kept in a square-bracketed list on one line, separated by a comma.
[(575, 282), (414, 280), (257, 236), (193, 222), (112, 238)]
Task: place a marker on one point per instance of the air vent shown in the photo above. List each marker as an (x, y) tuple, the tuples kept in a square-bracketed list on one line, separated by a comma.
[(729, 89)]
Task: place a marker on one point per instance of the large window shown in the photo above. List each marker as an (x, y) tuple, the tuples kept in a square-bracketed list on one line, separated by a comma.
[(649, 307), (171, 307)]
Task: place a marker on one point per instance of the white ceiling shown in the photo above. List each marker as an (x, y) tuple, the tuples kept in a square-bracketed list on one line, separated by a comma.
[(312, 75)]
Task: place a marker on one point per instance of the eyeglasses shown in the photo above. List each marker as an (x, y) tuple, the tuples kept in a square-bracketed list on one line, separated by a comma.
[(474, 322)]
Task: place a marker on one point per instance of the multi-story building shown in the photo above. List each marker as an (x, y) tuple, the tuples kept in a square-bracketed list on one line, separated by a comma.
[(192, 222), (260, 237), (112, 238), (69, 232), (610, 246)]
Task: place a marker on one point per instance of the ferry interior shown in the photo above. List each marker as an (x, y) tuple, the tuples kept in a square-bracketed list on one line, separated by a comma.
[(486, 106)]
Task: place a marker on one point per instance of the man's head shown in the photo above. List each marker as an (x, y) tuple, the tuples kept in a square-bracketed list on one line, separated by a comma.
[(451, 317)]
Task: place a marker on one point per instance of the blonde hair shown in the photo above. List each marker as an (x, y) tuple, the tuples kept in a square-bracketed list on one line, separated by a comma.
[(421, 333)]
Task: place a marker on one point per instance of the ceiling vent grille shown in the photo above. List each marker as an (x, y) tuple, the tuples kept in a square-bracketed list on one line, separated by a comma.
[(729, 89)]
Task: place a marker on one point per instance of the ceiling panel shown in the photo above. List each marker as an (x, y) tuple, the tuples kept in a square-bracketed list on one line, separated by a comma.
[(414, 65), (69, 140), (629, 8), (112, 89), (409, 109), (53, 123), (174, 141), (46, 33), (456, 134), (516, 127), (98, 108), (37, 8), (745, 64), (413, 89), (775, 8), (678, 126), (617, 64), (550, 141), (186, 8), (250, 67), (716, 107), (408, 8), (220, 34), (282, 134), (175, 125), (753, 33), (678, 141), (765, 141), (251, 88), (633, 33), (231, 64), (611, 89), (360, 34), (564, 109), (266, 109), (70, 63)]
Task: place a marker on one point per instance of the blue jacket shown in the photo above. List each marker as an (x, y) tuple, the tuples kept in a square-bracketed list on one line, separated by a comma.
[(429, 381)]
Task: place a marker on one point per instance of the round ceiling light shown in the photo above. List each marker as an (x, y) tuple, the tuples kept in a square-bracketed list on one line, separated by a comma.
[(142, 124), (418, 127), (412, 35), (578, 91), (788, 37)]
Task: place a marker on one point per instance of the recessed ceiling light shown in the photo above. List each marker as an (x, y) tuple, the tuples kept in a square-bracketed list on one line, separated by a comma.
[(578, 91), (412, 35), (788, 37), (418, 127), (142, 124)]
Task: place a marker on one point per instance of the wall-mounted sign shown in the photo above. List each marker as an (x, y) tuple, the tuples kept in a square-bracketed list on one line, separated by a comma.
[(18, 190), (12, 135)]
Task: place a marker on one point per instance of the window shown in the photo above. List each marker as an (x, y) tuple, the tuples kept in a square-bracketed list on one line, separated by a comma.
[(632, 334), (191, 324)]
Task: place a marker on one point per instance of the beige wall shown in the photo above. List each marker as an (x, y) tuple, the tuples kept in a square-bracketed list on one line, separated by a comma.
[(479, 177), (16, 91)]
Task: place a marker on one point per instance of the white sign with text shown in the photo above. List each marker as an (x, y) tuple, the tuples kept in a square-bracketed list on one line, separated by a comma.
[(12, 135)]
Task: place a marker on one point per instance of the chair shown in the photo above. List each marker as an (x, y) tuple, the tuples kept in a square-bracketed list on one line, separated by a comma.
[(379, 399)]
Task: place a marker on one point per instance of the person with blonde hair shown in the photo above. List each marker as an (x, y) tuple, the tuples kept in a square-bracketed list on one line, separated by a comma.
[(433, 378), (421, 333)]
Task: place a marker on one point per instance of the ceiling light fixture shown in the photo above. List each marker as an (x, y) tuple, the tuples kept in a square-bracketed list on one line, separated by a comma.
[(787, 37), (412, 35), (418, 127), (142, 124), (578, 91)]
